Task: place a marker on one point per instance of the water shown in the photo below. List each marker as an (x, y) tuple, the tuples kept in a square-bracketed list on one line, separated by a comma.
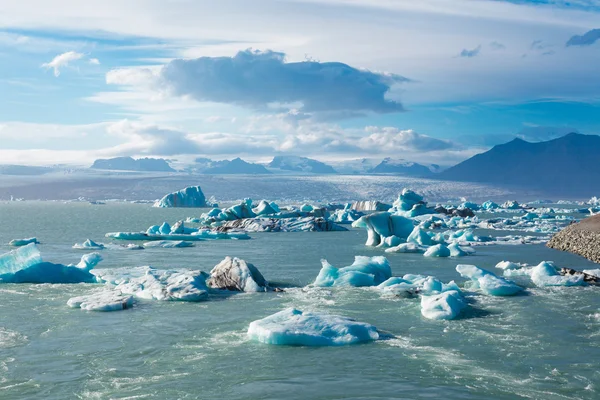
[(544, 345)]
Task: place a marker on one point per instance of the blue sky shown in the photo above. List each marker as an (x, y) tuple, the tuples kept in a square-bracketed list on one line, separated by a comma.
[(429, 81)]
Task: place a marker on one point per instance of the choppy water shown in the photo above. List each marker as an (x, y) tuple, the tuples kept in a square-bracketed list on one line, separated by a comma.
[(543, 345)]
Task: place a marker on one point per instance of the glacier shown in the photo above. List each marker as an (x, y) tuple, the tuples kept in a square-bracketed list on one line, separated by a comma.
[(293, 327), (364, 271), (191, 196)]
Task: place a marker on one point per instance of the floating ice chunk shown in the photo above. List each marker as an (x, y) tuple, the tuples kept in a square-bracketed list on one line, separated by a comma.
[(489, 205), (238, 275), (168, 244), (293, 327), (264, 208), (488, 282), (167, 285), (443, 306), (345, 216), (306, 224), (306, 208), (18, 259), (191, 196), (88, 245), (506, 265), (365, 271), (371, 205), (406, 248), (420, 237), (457, 251), (23, 242), (202, 234), (439, 250), (470, 205), (593, 272), (407, 200), (107, 300), (546, 274), (25, 265), (165, 229), (511, 205), (380, 225)]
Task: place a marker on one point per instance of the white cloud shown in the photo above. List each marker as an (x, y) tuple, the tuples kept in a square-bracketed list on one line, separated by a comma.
[(62, 60), (94, 61)]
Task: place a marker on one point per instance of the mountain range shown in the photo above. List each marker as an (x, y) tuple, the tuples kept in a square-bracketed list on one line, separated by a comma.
[(569, 165)]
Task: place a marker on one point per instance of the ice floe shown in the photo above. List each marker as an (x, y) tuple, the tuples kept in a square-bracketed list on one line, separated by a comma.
[(168, 244), (107, 300), (89, 245), (293, 327)]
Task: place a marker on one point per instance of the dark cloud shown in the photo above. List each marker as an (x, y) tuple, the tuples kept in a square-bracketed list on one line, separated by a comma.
[(470, 53), (256, 79), (587, 39)]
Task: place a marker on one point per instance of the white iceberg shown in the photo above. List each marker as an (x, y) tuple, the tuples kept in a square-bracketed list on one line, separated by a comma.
[(237, 275), (438, 250), (443, 306), (23, 242), (489, 283), (406, 248), (89, 245), (546, 274), (293, 327), (191, 196), (25, 265), (164, 285), (107, 300), (345, 216), (265, 208), (420, 237), (365, 271)]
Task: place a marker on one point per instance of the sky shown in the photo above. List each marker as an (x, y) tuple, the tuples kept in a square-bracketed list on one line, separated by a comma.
[(432, 81)]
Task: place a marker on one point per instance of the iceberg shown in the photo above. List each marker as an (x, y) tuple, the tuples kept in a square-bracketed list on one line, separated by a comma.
[(365, 271), (489, 205), (237, 275), (25, 265), (406, 248), (168, 244), (307, 224), (511, 205), (546, 274), (191, 196), (107, 300), (89, 245), (443, 306), (420, 237), (164, 285), (202, 234), (293, 327), (370, 206), (439, 250), (381, 225), (23, 242), (489, 283), (345, 216), (265, 208), (457, 251)]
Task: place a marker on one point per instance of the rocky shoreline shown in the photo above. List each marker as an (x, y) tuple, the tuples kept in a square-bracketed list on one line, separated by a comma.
[(582, 238)]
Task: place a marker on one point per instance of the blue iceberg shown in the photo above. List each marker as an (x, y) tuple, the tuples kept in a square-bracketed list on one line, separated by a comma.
[(23, 242), (293, 327), (488, 282), (191, 196), (381, 225), (168, 244), (25, 265), (365, 271), (443, 306), (438, 250)]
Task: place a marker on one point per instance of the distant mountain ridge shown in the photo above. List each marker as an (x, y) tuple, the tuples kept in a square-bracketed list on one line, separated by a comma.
[(235, 166), (131, 164), (569, 165), (301, 164), (400, 167)]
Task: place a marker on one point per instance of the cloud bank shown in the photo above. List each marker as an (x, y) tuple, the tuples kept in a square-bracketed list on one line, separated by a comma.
[(587, 39), (259, 80)]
